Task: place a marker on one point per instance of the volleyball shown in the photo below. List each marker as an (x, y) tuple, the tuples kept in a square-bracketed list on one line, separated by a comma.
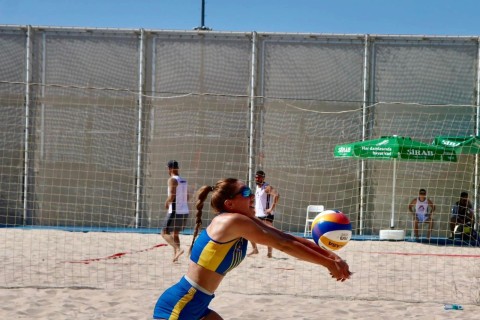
[(331, 229)]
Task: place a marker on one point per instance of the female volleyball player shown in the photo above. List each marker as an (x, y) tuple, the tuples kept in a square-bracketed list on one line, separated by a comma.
[(222, 246)]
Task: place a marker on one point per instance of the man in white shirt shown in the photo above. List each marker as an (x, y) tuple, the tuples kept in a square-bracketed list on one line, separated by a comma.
[(177, 206), (422, 209), (266, 198)]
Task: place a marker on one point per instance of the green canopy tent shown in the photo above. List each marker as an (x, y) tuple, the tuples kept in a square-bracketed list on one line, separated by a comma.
[(393, 148), (461, 145)]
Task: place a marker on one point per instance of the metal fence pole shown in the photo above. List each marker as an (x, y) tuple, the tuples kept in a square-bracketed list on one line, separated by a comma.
[(253, 83), (364, 124), (27, 124), (138, 181)]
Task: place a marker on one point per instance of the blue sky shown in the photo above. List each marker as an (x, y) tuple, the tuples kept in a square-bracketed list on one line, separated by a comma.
[(420, 17)]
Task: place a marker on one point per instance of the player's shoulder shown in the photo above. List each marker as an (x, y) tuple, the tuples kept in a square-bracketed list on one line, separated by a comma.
[(173, 180), (228, 218)]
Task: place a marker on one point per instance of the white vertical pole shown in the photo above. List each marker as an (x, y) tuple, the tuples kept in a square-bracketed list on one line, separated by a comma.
[(27, 124), (253, 84), (139, 130), (364, 124), (152, 109), (392, 217)]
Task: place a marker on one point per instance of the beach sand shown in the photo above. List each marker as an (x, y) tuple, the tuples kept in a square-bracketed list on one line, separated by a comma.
[(49, 274), (30, 303)]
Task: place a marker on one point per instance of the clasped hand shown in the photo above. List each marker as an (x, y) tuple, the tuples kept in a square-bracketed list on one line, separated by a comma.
[(340, 270)]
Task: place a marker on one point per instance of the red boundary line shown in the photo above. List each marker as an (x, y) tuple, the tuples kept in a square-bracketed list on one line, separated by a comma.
[(116, 255), (427, 254), (122, 254)]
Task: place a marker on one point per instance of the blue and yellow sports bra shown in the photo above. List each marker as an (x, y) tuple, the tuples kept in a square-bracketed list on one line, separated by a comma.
[(220, 257)]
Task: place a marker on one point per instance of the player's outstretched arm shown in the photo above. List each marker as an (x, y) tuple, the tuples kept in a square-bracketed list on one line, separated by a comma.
[(254, 230)]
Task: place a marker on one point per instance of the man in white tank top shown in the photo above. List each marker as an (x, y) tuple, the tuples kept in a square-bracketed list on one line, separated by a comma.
[(177, 206), (422, 210), (266, 198)]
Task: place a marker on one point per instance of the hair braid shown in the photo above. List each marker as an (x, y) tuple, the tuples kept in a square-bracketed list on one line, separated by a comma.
[(202, 196)]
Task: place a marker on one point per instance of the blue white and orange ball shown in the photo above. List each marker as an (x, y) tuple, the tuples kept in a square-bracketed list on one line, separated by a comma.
[(331, 229)]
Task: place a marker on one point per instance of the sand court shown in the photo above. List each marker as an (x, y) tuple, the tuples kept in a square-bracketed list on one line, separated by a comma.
[(51, 274)]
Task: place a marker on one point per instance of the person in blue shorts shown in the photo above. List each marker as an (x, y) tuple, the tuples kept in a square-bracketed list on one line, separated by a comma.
[(222, 246)]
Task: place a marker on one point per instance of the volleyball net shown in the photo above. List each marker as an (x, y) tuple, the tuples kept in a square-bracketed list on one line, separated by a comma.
[(84, 181)]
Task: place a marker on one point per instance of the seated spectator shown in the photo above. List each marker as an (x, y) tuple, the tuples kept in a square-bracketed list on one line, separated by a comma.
[(462, 213), (422, 210)]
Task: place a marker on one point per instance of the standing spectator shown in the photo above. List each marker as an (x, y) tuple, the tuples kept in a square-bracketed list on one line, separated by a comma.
[(266, 198), (177, 206), (422, 209)]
